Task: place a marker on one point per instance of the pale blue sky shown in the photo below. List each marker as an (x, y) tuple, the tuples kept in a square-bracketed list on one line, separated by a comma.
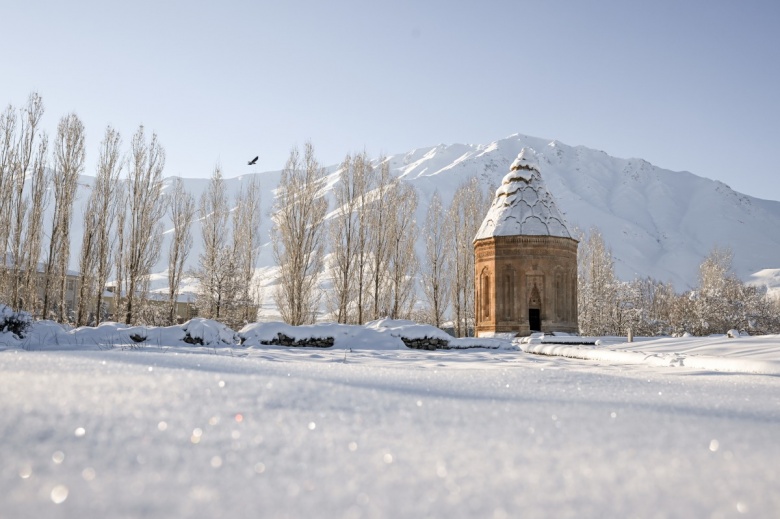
[(687, 85)]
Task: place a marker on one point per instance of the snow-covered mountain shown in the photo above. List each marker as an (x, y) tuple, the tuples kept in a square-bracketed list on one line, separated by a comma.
[(659, 223)]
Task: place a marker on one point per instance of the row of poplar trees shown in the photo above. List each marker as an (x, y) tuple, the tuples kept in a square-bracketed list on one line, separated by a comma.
[(373, 266), (368, 239), (366, 245), (122, 227)]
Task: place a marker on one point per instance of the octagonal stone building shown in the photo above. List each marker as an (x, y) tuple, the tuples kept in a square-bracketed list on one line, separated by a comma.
[(525, 259)]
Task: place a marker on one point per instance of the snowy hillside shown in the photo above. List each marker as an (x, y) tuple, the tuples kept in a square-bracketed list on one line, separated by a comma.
[(658, 223)]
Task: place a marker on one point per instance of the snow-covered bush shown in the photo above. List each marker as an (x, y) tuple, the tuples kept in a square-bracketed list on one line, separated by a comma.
[(16, 323), (208, 333), (721, 302), (322, 335)]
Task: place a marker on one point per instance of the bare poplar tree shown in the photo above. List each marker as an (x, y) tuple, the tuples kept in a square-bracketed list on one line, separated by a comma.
[(109, 199), (68, 164), (464, 218), (17, 136), (23, 149), (182, 211), (365, 173), (8, 137), (350, 232), (119, 248), (20, 203), (31, 252), (99, 222), (146, 206), (342, 235), (246, 246), (379, 223), (216, 263), (86, 282), (297, 234), (436, 268), (402, 263)]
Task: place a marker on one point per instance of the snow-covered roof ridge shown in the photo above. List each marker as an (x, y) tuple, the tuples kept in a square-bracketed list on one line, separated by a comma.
[(523, 206)]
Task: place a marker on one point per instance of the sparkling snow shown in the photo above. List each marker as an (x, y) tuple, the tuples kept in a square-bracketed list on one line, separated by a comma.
[(154, 430)]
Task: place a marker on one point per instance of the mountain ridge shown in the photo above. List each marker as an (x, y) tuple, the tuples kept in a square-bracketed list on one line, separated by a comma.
[(657, 222), (635, 204)]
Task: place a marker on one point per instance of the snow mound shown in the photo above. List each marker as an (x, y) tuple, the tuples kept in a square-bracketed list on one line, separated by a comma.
[(263, 335), (42, 335), (411, 332), (382, 334), (208, 333), (52, 336), (408, 329)]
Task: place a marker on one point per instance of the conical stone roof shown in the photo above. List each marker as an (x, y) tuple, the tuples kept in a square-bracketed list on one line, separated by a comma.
[(522, 205)]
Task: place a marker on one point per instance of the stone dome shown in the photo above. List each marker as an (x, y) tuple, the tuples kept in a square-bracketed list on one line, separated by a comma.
[(522, 205)]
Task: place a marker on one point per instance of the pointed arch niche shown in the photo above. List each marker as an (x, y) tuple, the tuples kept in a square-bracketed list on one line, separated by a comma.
[(484, 295), (508, 293), (559, 292), (535, 284)]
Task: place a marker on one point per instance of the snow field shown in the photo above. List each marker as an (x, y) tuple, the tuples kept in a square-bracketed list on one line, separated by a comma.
[(95, 424), (758, 354), (333, 433)]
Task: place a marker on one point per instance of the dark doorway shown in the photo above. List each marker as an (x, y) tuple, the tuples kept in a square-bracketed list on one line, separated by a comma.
[(535, 319)]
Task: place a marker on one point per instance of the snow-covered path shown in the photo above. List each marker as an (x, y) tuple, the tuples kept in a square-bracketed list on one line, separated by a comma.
[(302, 433)]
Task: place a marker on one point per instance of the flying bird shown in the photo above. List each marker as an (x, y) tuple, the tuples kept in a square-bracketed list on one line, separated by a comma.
[(253, 161)]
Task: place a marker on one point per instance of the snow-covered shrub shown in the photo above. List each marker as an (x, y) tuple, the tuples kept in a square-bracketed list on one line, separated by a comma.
[(16, 323), (322, 335), (207, 332), (414, 335)]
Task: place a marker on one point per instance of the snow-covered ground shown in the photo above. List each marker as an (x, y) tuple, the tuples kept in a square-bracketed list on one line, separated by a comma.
[(181, 430), (760, 354)]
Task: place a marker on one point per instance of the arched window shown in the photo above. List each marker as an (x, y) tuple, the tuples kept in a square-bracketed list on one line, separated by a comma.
[(485, 288), (508, 293)]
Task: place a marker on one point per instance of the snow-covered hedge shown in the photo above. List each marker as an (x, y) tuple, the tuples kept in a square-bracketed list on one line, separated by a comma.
[(16, 323), (323, 335), (207, 332), (384, 334), (427, 337), (381, 334)]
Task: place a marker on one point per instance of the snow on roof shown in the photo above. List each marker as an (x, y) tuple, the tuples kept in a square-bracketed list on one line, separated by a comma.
[(523, 205)]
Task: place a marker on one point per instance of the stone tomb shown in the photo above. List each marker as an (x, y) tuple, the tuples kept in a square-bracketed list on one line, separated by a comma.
[(525, 259)]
